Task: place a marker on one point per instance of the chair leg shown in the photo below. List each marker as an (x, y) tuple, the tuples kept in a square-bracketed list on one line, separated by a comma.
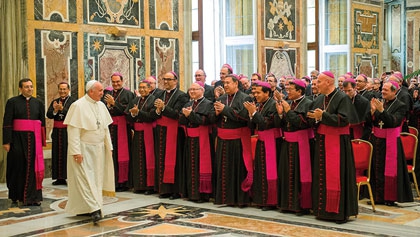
[(371, 197), (358, 191), (415, 183)]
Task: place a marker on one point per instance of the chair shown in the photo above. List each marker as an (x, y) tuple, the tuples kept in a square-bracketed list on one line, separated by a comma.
[(409, 142), (362, 151), (413, 130)]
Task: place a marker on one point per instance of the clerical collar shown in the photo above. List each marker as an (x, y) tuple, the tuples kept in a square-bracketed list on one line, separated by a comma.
[(198, 100), (332, 93), (298, 99), (170, 91)]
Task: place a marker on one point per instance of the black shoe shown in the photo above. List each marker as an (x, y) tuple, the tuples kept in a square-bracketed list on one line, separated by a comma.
[(121, 189), (96, 216), (84, 214), (390, 204), (268, 208), (303, 212), (60, 182), (36, 204), (174, 196), (164, 195), (149, 192), (341, 221)]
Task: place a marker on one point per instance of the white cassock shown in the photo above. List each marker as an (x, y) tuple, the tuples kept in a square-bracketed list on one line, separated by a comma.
[(87, 127)]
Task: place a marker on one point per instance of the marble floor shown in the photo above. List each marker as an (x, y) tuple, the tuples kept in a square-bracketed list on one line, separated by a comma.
[(130, 214)]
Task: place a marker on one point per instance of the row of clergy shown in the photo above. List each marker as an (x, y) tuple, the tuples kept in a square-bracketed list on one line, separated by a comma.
[(184, 145)]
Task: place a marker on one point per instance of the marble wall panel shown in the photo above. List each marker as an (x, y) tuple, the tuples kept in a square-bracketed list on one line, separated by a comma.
[(128, 13), (105, 55), (413, 40), (280, 62), (366, 64), (55, 10), (56, 61), (164, 15), (164, 57), (280, 20)]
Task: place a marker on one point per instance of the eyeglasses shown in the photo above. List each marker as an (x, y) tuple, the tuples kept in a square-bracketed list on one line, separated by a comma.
[(168, 79), (198, 75), (360, 81)]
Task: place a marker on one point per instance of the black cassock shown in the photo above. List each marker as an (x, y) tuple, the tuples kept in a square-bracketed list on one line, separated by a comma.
[(174, 101), (59, 139), (392, 117), (139, 171), (203, 115), (231, 170), (338, 112), (362, 106), (122, 98), (264, 190), (290, 168), (20, 173)]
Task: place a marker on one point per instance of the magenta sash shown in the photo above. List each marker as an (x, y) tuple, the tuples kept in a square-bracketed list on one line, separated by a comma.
[(391, 157), (332, 164), (302, 138), (59, 124), (35, 127), (357, 130), (149, 147), (269, 138), (202, 132), (244, 134), (170, 147), (123, 155)]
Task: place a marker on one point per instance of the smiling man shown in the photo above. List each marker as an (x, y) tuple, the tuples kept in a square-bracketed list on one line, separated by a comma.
[(262, 116), (169, 137), (334, 179), (116, 101), (197, 115), (141, 112), (294, 168), (58, 110), (233, 151), (23, 125)]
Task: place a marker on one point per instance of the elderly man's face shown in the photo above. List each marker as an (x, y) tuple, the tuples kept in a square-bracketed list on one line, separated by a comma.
[(245, 83), (196, 91)]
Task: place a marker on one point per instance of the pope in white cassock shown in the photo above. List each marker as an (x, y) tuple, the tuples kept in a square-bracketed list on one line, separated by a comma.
[(89, 162)]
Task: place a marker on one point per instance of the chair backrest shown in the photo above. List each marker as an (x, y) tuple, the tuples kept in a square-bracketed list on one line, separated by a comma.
[(413, 130), (362, 152), (409, 143)]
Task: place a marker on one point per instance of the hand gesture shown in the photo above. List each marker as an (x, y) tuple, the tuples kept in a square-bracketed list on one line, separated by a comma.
[(187, 111), (278, 96), (250, 106), (134, 110), (57, 106), (109, 100), (315, 114), (218, 107)]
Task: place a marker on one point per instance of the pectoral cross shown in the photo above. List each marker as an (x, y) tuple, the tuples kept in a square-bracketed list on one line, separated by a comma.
[(381, 124), (98, 123), (225, 119)]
